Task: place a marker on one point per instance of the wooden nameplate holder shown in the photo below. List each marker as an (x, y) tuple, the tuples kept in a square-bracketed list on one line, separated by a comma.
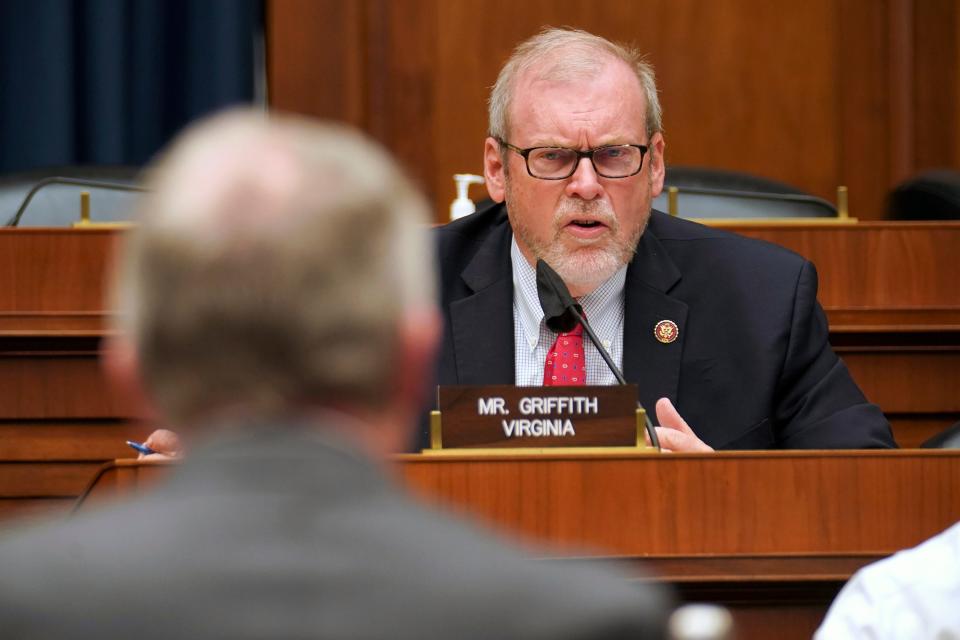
[(502, 419)]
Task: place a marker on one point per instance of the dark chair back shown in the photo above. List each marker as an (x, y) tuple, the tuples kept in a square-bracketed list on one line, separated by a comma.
[(931, 195), (949, 438), (718, 193), (51, 197)]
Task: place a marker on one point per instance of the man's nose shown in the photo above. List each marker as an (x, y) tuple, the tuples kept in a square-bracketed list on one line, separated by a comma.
[(584, 183)]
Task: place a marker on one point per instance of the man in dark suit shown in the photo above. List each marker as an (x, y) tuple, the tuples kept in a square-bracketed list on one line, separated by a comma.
[(723, 335), (275, 305)]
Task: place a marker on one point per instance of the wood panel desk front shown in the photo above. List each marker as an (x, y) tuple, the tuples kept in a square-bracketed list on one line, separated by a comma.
[(891, 292), (772, 535)]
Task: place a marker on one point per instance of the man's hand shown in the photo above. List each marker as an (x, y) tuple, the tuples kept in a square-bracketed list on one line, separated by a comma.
[(166, 443), (674, 433)]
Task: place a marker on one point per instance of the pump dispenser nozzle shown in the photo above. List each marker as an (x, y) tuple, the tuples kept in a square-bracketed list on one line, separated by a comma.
[(463, 205)]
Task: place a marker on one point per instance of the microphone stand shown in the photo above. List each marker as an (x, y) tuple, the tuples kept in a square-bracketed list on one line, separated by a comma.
[(549, 282)]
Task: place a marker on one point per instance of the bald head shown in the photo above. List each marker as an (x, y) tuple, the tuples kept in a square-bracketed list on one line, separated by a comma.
[(273, 267)]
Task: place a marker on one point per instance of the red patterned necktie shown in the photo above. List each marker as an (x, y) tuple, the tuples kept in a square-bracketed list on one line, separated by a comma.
[(565, 366)]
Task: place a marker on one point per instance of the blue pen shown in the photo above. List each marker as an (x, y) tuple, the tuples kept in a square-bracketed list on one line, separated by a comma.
[(142, 448)]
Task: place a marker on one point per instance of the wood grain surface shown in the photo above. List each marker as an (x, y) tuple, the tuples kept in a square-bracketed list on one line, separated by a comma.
[(861, 93)]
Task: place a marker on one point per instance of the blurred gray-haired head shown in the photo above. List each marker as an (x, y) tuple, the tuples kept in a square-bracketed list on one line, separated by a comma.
[(271, 268)]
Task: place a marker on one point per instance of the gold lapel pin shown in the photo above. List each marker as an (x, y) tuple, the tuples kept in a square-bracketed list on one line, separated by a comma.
[(666, 331)]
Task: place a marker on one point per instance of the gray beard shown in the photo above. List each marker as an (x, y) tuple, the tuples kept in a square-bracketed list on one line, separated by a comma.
[(586, 267)]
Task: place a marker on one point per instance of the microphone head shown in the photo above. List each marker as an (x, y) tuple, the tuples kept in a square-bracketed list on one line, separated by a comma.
[(555, 299)]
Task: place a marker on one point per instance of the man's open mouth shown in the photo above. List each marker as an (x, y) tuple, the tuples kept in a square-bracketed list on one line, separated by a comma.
[(586, 224)]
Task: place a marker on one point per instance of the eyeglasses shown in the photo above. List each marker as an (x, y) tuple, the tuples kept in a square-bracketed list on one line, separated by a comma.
[(559, 163)]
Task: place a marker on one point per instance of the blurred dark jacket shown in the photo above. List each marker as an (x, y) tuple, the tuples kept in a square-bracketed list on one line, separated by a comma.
[(290, 534)]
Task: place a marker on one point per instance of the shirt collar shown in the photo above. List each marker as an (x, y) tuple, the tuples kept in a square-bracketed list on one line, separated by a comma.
[(605, 299)]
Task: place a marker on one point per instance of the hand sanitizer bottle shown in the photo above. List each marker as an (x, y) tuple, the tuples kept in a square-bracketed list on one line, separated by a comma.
[(463, 205)]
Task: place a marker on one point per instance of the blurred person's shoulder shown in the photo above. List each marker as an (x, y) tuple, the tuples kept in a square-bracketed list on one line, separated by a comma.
[(312, 529), (913, 593), (502, 589)]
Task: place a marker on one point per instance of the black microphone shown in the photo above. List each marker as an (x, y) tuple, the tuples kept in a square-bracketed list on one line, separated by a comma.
[(562, 313), (560, 310)]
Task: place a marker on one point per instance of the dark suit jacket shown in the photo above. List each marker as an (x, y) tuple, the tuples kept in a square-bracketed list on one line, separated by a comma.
[(289, 534), (751, 368)]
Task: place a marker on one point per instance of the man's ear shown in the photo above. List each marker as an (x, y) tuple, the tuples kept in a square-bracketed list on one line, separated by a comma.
[(413, 381), (493, 170), (419, 337), (658, 170), (118, 357)]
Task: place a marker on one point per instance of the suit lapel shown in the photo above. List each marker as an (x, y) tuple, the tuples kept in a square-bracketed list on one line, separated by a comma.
[(482, 323), (653, 365)]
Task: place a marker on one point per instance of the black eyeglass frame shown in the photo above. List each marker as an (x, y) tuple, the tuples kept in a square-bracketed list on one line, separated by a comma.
[(525, 154)]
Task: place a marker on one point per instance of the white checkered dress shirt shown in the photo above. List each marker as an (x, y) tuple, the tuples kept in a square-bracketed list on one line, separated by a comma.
[(603, 308)]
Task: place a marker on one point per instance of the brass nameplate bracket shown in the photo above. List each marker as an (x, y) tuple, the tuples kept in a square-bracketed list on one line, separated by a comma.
[(505, 417)]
